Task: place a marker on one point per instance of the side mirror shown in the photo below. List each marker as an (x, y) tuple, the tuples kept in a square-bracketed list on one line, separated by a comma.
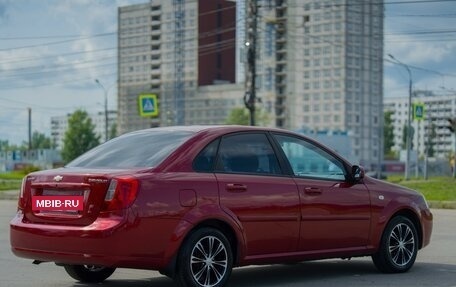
[(357, 173)]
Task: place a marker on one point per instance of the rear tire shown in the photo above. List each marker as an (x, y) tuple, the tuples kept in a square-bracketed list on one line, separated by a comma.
[(398, 246), (205, 259), (89, 273)]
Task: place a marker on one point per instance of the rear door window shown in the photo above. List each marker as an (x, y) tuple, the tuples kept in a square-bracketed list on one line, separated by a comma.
[(205, 160), (249, 153)]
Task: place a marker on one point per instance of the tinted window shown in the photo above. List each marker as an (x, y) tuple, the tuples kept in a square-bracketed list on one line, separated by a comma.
[(247, 153), (309, 160), (139, 149), (205, 160)]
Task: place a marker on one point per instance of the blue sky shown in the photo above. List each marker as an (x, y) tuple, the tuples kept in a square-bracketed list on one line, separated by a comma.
[(421, 35), (56, 78)]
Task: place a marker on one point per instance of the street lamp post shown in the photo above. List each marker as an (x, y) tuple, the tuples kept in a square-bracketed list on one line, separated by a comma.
[(105, 107), (409, 118), (452, 128)]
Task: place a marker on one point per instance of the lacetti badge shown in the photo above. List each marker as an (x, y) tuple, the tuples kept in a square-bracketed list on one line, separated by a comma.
[(58, 178)]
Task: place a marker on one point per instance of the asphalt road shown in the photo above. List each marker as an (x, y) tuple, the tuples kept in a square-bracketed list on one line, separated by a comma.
[(435, 266)]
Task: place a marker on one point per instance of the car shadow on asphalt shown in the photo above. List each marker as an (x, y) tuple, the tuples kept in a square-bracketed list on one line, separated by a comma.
[(318, 273)]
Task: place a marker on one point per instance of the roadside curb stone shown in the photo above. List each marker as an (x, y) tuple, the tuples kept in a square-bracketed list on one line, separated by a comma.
[(9, 194)]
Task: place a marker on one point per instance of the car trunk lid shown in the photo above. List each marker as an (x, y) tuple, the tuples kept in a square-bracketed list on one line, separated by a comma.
[(43, 193)]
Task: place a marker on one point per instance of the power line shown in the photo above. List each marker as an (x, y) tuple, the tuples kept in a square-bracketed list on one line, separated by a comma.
[(421, 32), (69, 69), (380, 3), (203, 51), (43, 37), (59, 42), (56, 65), (34, 106), (85, 79), (419, 40), (424, 15), (377, 58), (26, 59), (201, 36)]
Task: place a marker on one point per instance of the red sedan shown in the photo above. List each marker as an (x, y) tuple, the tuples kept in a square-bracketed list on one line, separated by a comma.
[(194, 202)]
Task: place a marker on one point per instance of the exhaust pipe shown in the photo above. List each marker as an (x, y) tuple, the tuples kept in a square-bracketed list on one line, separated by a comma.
[(36, 262)]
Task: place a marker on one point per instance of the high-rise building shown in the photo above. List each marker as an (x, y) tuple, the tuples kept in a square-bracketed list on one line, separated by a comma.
[(319, 63), (432, 131), (321, 68), (169, 48), (59, 126)]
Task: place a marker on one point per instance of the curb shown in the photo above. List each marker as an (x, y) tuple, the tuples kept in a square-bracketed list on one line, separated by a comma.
[(9, 195), (442, 204)]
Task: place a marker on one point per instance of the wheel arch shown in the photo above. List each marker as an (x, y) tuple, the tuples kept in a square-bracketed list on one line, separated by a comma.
[(234, 237), (413, 217), (226, 229)]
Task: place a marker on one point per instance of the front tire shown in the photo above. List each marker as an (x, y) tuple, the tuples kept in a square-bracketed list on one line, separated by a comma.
[(398, 246), (89, 273), (205, 259)]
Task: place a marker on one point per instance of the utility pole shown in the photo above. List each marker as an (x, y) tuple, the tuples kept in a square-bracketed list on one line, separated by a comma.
[(417, 170), (105, 108), (452, 129), (427, 146), (250, 85), (29, 128), (179, 61), (408, 142)]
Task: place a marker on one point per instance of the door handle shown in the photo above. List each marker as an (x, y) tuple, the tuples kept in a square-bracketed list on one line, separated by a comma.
[(236, 187), (312, 190)]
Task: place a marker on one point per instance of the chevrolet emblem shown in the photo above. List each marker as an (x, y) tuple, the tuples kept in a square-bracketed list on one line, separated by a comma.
[(58, 178)]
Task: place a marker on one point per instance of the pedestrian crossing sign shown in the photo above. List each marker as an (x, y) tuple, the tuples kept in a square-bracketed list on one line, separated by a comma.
[(418, 111), (148, 105)]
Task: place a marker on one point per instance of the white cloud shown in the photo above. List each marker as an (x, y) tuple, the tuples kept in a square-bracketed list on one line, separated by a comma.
[(410, 50), (394, 87)]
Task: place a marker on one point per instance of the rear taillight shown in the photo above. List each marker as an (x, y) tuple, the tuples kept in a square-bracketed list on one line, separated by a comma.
[(21, 201), (122, 192)]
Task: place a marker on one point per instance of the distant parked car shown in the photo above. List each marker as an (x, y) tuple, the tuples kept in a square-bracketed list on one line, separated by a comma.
[(194, 202)]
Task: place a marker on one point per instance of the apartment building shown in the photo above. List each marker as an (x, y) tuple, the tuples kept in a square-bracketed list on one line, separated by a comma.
[(319, 63), (433, 129), (170, 48), (321, 68)]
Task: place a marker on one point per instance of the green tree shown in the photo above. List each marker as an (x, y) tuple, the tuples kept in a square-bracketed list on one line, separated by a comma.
[(79, 137), (40, 141), (388, 134), (404, 137), (113, 131), (4, 145), (241, 116), (430, 144)]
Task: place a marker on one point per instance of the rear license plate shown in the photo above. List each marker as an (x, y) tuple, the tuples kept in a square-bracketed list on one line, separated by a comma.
[(65, 203)]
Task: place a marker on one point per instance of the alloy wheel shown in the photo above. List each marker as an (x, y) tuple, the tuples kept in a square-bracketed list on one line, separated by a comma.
[(401, 244), (209, 261)]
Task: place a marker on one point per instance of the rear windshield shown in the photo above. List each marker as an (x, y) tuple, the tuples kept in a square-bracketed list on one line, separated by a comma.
[(140, 149)]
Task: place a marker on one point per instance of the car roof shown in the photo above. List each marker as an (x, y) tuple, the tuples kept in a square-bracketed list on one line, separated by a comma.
[(218, 128)]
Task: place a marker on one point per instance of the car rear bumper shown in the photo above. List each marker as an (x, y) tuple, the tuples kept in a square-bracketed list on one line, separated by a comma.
[(106, 242)]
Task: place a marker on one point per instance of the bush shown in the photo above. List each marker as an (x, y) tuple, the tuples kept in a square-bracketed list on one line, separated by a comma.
[(28, 169)]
